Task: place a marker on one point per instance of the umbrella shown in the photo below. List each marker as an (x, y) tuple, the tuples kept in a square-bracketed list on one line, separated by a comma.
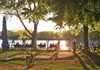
[(5, 44)]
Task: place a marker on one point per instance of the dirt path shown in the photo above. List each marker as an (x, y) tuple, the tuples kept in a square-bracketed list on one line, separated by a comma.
[(57, 57)]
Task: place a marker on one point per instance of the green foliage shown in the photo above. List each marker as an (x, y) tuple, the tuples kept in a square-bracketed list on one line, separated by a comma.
[(75, 30), (13, 35), (95, 35), (23, 34), (34, 10), (57, 35), (69, 35), (73, 12), (47, 35), (95, 27)]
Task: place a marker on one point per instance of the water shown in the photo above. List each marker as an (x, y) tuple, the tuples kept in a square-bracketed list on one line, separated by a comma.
[(29, 42), (62, 42)]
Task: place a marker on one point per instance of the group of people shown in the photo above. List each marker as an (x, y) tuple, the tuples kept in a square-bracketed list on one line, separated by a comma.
[(94, 47), (57, 46)]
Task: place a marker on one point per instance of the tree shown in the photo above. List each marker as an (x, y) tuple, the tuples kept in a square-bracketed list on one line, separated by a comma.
[(46, 35), (73, 12), (13, 35), (23, 34), (94, 35), (34, 11), (57, 35)]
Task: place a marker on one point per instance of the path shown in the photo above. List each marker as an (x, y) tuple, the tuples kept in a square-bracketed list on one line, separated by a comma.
[(57, 57)]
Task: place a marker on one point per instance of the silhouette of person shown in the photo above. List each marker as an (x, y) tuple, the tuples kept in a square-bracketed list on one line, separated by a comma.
[(58, 45), (74, 46)]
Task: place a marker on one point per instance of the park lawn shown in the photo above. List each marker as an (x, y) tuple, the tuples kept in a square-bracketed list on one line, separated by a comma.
[(83, 61), (11, 53), (58, 65)]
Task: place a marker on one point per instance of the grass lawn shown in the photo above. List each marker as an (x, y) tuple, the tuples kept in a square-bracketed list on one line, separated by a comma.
[(62, 61)]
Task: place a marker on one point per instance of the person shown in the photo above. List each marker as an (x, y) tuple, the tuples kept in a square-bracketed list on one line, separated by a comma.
[(23, 43), (57, 47), (17, 43), (74, 46)]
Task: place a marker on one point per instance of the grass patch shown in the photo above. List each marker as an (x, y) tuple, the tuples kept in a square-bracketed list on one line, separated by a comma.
[(11, 53), (55, 65), (19, 61), (83, 61)]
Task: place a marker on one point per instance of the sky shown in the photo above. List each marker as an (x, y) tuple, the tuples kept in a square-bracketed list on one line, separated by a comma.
[(15, 24)]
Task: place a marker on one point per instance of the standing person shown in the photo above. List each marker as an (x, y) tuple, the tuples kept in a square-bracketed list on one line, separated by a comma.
[(23, 43), (74, 46), (57, 47)]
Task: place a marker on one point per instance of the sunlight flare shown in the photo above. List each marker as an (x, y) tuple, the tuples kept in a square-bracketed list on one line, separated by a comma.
[(63, 45)]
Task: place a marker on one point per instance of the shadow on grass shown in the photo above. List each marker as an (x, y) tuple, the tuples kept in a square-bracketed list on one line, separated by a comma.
[(15, 54), (54, 56), (14, 59), (37, 53), (81, 61), (94, 59), (1, 52), (26, 68)]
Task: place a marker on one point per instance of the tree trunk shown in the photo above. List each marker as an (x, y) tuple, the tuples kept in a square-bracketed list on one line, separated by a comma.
[(85, 38), (34, 36)]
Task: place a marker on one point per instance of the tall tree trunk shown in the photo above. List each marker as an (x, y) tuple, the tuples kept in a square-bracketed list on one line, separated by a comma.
[(85, 38), (34, 36)]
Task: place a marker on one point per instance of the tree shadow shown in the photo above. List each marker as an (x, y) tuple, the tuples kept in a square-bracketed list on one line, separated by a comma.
[(81, 61), (37, 53), (94, 59), (54, 56), (14, 59), (89, 61), (26, 68), (1, 51), (15, 54)]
